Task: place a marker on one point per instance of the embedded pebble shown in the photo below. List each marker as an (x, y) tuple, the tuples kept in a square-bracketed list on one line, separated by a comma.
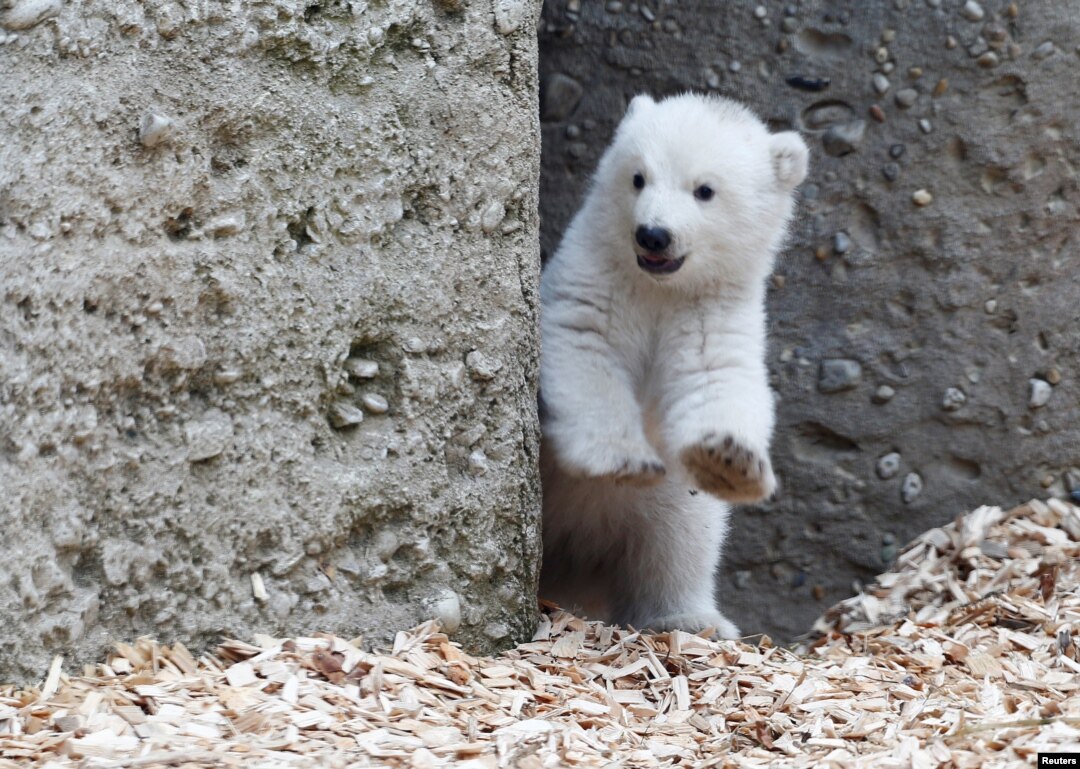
[(925, 126), (804, 83), (386, 544), (877, 113), (888, 553), (186, 353), (881, 83), (905, 97), (996, 33), (941, 87), (1041, 391), (361, 368), (375, 403), (208, 436), (446, 608), (911, 487), (226, 225), (647, 14), (492, 216), (613, 6), (481, 367), (891, 171), (344, 414), (510, 15), (841, 242), (979, 47), (990, 306), (760, 12), (1053, 376), (988, 60), (972, 11), (843, 139), (922, 198), (839, 374), (888, 466), (734, 66), (29, 13), (155, 129), (883, 394), (478, 462), (560, 97), (789, 25), (1044, 51), (953, 399)]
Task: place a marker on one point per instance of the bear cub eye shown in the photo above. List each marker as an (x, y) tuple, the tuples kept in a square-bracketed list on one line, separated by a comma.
[(639, 181), (704, 192)]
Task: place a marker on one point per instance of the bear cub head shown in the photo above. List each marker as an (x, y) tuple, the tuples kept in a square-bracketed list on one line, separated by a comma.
[(696, 190)]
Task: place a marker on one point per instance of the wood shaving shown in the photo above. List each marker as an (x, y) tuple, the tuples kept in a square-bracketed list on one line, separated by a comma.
[(964, 655)]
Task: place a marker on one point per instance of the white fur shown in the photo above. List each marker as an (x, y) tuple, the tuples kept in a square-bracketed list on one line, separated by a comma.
[(656, 405)]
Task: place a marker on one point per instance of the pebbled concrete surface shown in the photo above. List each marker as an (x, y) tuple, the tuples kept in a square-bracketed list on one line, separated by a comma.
[(267, 311), (925, 326)]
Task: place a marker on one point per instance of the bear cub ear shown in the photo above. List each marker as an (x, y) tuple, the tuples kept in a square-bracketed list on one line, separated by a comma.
[(790, 158), (639, 103)]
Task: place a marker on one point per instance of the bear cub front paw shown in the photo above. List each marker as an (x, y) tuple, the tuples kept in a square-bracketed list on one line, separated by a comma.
[(615, 461), (724, 466)]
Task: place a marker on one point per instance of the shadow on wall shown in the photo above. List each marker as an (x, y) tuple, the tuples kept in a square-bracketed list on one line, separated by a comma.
[(924, 341)]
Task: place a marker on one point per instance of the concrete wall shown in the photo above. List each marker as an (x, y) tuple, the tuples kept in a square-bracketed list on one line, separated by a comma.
[(267, 310), (926, 356)]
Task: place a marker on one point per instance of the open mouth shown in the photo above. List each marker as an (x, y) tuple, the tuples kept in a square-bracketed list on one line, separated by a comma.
[(658, 264)]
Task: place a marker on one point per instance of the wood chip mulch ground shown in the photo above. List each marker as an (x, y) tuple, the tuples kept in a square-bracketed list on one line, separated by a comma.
[(965, 655)]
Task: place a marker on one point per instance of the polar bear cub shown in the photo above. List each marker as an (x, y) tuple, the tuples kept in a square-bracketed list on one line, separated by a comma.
[(656, 408)]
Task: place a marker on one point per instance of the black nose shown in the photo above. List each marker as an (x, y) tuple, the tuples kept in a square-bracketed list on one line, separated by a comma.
[(652, 238)]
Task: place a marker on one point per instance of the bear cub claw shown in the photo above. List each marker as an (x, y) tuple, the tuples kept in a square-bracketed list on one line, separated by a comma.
[(725, 467), (620, 466), (639, 472)]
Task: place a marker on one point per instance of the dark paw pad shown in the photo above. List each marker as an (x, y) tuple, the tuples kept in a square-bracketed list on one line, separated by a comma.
[(724, 466)]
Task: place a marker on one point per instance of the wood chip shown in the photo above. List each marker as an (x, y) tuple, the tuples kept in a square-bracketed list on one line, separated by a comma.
[(258, 588), (965, 655), (52, 679)]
